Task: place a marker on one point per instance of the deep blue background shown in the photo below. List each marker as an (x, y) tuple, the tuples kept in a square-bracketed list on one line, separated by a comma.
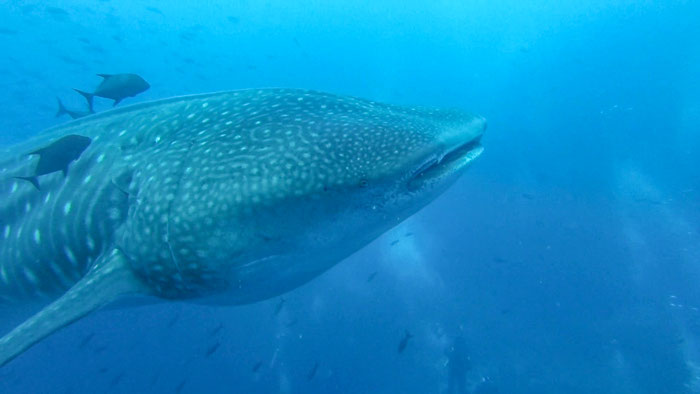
[(568, 256)]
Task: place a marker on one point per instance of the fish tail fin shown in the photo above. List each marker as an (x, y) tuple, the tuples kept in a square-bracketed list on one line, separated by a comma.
[(34, 180), (110, 278), (61, 108), (88, 97)]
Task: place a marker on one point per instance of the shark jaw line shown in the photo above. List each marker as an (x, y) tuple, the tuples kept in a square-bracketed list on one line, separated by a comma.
[(448, 163)]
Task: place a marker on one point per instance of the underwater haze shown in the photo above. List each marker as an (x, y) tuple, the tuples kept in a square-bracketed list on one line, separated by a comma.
[(565, 260)]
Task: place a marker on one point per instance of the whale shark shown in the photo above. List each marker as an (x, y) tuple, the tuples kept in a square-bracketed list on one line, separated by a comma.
[(223, 198)]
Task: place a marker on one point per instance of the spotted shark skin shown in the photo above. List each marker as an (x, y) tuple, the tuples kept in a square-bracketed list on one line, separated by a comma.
[(222, 198)]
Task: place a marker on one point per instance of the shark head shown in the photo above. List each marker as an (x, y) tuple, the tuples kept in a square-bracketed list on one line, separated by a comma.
[(264, 190)]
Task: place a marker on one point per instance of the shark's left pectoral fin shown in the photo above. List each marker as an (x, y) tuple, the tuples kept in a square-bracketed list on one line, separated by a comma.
[(110, 278)]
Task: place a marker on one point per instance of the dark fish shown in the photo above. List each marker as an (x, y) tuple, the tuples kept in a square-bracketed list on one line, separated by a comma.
[(175, 317), (312, 372), (371, 276), (7, 32), (394, 242), (212, 349), (408, 235), (180, 386), (57, 156), (86, 340), (100, 349), (216, 329), (28, 8), (103, 370), (279, 306), (57, 13), (404, 341), (94, 48), (155, 10), (187, 35), (62, 110), (257, 366), (116, 87), (70, 60), (117, 379)]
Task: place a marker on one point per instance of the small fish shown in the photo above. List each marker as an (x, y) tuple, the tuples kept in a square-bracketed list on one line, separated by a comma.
[(312, 372), (212, 349), (279, 306), (394, 242), (70, 60), (180, 386), (86, 340), (94, 48), (216, 329), (7, 32), (371, 276), (117, 379), (173, 320), (57, 156), (75, 114), (409, 234), (100, 349), (57, 13), (155, 10), (116, 87), (155, 378), (404, 342), (257, 366)]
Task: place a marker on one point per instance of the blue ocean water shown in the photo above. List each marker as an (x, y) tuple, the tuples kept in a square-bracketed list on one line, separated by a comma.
[(567, 259)]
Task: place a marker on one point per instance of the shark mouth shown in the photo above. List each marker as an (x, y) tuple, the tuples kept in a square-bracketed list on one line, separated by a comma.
[(450, 163)]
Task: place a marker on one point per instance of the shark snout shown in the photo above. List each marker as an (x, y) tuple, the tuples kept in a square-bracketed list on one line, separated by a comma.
[(457, 146), (484, 124)]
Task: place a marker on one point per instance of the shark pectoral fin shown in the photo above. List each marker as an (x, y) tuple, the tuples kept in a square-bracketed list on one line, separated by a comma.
[(34, 180), (110, 278)]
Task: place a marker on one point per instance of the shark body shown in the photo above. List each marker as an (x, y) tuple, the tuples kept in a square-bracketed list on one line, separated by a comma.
[(226, 198)]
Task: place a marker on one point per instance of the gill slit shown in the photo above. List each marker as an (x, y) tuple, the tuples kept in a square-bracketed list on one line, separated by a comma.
[(176, 192)]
